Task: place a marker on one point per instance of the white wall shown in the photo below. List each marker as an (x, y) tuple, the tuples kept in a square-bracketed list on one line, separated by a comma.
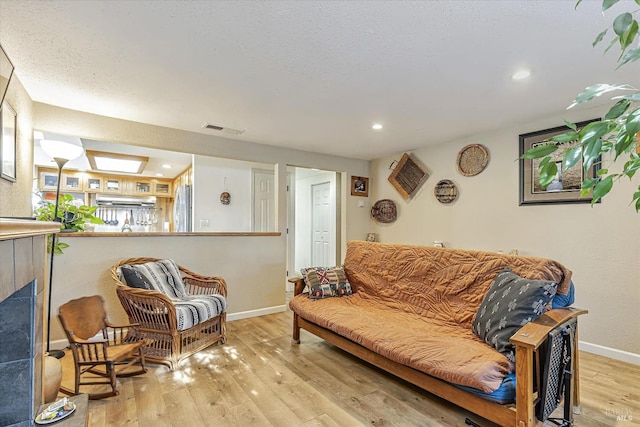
[(601, 244), (15, 197), (304, 180), (209, 181), (252, 266)]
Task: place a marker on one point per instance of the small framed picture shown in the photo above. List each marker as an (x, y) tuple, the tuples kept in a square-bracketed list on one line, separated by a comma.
[(359, 186), (371, 237)]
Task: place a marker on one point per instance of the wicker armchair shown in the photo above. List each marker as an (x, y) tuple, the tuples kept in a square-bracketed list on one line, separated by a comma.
[(155, 314)]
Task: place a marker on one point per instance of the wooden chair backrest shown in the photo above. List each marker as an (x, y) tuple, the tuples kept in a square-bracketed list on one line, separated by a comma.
[(83, 317)]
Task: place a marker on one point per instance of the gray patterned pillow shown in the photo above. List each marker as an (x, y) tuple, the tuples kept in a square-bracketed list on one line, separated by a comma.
[(511, 302)]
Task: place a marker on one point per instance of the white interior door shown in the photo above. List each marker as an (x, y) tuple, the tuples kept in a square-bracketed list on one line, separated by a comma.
[(263, 202), (320, 224)]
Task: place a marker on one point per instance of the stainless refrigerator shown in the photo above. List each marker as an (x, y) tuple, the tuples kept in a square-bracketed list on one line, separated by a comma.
[(182, 209)]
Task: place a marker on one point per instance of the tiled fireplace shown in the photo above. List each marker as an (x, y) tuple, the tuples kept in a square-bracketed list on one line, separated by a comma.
[(22, 284)]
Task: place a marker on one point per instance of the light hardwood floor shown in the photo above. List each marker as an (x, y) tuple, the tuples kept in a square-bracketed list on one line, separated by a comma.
[(259, 378)]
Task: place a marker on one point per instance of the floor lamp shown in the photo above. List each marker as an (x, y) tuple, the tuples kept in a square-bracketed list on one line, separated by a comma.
[(61, 152)]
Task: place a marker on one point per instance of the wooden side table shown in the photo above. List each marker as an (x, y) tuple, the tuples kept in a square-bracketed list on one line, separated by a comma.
[(81, 417)]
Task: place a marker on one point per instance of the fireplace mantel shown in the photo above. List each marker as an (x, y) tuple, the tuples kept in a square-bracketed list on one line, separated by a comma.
[(22, 310)]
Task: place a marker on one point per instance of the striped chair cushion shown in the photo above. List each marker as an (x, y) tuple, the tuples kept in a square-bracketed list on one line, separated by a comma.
[(163, 276), (192, 310)]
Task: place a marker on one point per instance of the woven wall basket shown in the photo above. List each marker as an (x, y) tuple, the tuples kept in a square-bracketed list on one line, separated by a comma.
[(384, 211)]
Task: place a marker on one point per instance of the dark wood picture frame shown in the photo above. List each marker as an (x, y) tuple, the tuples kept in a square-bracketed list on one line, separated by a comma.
[(566, 189), (359, 186), (8, 121)]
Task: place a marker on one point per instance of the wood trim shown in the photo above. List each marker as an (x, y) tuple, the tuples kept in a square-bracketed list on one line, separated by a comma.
[(533, 334), (17, 228)]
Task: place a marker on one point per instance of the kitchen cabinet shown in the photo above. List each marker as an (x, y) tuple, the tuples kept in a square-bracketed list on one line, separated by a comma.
[(91, 182), (162, 188), (94, 184), (113, 185), (69, 181), (140, 187)]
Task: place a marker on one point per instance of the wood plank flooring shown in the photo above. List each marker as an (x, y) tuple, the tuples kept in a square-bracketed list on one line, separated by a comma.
[(260, 379)]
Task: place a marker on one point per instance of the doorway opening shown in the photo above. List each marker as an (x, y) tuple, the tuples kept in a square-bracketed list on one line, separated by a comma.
[(313, 219)]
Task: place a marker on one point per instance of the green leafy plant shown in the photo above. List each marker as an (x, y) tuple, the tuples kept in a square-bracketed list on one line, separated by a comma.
[(71, 217), (617, 132)]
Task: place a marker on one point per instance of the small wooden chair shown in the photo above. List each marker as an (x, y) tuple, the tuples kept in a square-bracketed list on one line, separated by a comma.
[(109, 357)]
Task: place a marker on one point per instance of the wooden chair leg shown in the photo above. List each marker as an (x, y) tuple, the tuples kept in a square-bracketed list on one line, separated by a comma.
[(296, 330)]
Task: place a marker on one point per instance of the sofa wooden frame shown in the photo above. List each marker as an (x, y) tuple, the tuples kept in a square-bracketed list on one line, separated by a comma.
[(156, 317), (527, 341)]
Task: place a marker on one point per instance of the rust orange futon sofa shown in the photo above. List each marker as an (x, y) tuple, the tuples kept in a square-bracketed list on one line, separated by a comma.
[(447, 320)]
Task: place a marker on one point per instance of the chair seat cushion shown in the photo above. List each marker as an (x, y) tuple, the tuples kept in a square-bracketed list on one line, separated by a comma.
[(192, 310)]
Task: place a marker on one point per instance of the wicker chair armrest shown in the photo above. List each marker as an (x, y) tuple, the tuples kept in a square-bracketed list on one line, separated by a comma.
[(205, 285), (148, 309)]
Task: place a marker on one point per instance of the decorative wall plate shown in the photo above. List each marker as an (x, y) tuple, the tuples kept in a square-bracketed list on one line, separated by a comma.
[(445, 191), (384, 211), (472, 159)]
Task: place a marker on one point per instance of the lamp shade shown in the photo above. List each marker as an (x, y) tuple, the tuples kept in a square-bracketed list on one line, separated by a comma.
[(62, 149)]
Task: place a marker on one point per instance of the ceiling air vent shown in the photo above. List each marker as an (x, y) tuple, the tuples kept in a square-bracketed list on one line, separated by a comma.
[(228, 131)]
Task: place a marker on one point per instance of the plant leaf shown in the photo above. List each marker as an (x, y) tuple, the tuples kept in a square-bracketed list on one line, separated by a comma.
[(564, 137), (590, 138), (599, 38), (539, 151), (589, 183), (570, 125), (593, 91), (633, 122), (603, 172), (547, 173), (602, 188), (571, 157), (618, 109), (627, 38), (606, 4), (622, 23), (630, 56)]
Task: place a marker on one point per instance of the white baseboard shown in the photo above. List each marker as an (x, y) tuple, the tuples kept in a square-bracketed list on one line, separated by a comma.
[(255, 313), (612, 353), (60, 344)]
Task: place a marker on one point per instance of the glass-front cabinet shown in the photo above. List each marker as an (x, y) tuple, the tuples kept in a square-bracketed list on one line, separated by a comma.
[(162, 188), (94, 184), (113, 185)]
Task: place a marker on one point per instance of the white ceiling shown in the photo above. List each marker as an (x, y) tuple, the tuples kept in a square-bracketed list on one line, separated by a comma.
[(312, 75)]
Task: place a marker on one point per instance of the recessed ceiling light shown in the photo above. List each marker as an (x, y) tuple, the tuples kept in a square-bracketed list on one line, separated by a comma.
[(377, 126), (159, 174), (167, 166), (519, 75)]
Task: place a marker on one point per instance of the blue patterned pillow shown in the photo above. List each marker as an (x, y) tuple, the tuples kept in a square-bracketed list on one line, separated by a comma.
[(510, 303)]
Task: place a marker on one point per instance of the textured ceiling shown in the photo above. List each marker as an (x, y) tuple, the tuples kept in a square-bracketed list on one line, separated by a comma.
[(312, 75)]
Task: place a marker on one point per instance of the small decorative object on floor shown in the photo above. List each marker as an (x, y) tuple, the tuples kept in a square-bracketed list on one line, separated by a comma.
[(472, 159), (445, 191), (52, 378), (384, 211), (56, 411)]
